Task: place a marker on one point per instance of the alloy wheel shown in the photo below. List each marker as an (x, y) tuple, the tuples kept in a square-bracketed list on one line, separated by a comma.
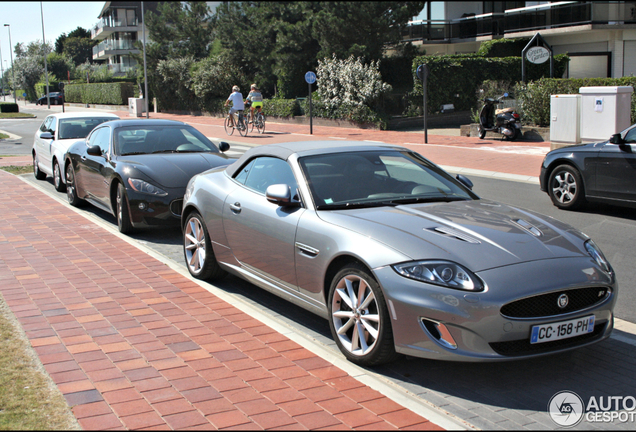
[(194, 243)]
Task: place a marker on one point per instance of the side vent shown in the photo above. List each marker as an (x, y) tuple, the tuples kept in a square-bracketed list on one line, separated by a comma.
[(527, 226), (449, 232)]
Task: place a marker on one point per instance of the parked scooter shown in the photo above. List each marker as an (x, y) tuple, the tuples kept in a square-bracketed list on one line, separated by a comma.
[(504, 121)]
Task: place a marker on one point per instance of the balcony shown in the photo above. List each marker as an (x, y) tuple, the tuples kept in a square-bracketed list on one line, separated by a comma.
[(106, 27), (119, 69), (528, 19), (110, 48)]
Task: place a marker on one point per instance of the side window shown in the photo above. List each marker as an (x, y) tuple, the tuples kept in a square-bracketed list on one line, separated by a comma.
[(242, 174), (53, 125), (101, 138), (45, 124), (630, 137), (266, 171)]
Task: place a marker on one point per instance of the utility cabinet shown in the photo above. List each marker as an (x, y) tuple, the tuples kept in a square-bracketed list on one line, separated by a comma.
[(135, 107), (604, 111), (565, 118)]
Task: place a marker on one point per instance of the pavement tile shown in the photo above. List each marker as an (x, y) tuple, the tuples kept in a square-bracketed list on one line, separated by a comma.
[(339, 405), (189, 383), (256, 406), (300, 407), (83, 397), (214, 406), (125, 409), (113, 384), (142, 374), (304, 382), (123, 395), (228, 419), (105, 374), (161, 394), (322, 393), (173, 407), (186, 420), (362, 394), (317, 420), (75, 386), (272, 420), (142, 420), (201, 394), (257, 373), (403, 418), (100, 422), (151, 384), (241, 395), (284, 395), (91, 409)]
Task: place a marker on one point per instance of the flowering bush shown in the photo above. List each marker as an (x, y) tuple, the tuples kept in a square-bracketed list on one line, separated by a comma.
[(349, 82)]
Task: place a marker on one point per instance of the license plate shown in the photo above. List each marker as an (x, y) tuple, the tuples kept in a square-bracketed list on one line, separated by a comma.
[(562, 330)]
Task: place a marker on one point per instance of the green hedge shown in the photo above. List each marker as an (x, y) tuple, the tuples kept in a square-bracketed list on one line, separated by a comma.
[(100, 93), (40, 88), (456, 78), (9, 107), (281, 107), (533, 98)]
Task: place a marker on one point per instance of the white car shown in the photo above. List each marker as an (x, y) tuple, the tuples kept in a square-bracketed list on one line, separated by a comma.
[(56, 134)]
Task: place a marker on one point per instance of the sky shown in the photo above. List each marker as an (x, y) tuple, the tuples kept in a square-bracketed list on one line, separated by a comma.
[(25, 21)]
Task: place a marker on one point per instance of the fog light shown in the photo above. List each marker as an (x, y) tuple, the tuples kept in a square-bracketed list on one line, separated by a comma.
[(440, 333), (143, 206)]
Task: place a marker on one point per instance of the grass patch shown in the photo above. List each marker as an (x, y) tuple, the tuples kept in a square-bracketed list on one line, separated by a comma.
[(3, 136), (18, 170), (16, 115), (29, 400)]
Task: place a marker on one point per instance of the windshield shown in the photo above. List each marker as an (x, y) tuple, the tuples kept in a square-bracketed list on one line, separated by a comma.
[(161, 139), (80, 127), (378, 178)]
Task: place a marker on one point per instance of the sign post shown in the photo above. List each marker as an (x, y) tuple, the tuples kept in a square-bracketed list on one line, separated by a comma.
[(310, 78), (537, 51), (422, 74)]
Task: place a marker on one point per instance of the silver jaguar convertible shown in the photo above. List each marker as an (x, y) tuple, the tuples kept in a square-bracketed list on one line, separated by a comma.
[(398, 255)]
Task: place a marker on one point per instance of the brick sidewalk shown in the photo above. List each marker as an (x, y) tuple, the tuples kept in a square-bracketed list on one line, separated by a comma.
[(131, 343)]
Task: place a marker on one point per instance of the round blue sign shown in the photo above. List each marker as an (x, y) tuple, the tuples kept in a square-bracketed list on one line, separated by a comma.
[(310, 77), (23, 94)]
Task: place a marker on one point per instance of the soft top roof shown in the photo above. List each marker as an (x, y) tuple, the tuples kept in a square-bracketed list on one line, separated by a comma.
[(307, 148)]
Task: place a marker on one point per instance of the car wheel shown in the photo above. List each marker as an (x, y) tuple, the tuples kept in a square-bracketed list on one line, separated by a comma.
[(359, 319), (481, 132), (36, 169), (71, 189), (565, 187), (198, 252), (57, 178), (121, 211)]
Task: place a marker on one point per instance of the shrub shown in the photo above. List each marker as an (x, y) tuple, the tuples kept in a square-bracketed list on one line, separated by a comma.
[(99, 93), (281, 107), (9, 107)]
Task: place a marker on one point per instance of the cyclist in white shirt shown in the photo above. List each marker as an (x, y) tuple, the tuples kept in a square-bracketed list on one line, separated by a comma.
[(237, 103)]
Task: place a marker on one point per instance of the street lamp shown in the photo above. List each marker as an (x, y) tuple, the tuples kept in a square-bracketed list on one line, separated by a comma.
[(15, 100), (46, 71), (2, 73)]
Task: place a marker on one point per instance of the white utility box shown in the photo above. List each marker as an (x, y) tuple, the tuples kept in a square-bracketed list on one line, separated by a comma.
[(564, 118), (136, 107), (604, 111)]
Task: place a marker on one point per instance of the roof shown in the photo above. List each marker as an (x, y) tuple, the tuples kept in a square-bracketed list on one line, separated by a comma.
[(144, 122), (308, 148), (84, 115)]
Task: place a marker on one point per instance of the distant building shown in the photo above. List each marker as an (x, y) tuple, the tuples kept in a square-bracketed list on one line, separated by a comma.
[(599, 36), (120, 26)]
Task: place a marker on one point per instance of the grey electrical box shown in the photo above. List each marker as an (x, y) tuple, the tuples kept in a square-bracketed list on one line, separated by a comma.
[(604, 111), (565, 118)]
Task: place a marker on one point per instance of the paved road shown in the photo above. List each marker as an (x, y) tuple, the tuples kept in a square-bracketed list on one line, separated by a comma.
[(510, 395)]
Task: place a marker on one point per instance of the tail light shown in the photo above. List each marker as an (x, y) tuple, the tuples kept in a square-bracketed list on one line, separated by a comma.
[(515, 115)]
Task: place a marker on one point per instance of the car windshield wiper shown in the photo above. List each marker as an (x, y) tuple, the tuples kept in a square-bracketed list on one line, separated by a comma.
[(164, 151), (133, 153), (349, 205), (445, 198)]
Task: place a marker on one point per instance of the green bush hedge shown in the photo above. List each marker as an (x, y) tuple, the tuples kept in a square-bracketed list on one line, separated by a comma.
[(9, 107), (40, 88), (100, 93), (456, 78), (533, 98)]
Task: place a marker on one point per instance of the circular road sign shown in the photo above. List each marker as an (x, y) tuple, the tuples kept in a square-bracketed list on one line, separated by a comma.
[(310, 77), (23, 94)]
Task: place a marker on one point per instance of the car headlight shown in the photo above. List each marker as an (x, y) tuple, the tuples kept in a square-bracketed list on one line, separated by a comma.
[(598, 256), (189, 190), (145, 187), (443, 273)]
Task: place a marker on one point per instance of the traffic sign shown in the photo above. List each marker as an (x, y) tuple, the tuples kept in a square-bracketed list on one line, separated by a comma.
[(422, 72), (310, 77), (23, 94)]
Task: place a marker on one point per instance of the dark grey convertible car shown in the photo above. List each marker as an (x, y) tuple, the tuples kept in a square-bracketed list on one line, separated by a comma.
[(398, 255)]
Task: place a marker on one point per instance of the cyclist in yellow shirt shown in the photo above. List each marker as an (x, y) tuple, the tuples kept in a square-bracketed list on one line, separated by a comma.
[(256, 98)]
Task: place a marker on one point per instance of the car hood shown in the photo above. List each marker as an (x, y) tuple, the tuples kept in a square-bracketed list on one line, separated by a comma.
[(173, 170), (479, 234)]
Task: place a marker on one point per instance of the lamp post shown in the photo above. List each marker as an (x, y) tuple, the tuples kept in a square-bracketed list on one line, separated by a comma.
[(143, 27), (46, 71), (2, 73), (15, 100)]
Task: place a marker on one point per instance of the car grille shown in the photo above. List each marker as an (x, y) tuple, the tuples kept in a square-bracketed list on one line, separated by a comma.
[(176, 207), (524, 347), (545, 305)]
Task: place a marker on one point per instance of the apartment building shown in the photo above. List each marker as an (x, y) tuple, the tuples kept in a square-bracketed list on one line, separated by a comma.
[(599, 36), (119, 27)]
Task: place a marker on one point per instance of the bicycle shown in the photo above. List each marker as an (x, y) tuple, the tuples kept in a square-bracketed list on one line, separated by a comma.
[(241, 124), (258, 120)]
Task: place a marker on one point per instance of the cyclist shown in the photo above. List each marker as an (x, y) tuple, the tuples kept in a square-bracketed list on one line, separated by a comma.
[(237, 103), (256, 99)]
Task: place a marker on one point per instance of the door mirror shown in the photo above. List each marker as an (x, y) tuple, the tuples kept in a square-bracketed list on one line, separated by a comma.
[(465, 181), (46, 135), (279, 194), (616, 139), (94, 150), (223, 146)]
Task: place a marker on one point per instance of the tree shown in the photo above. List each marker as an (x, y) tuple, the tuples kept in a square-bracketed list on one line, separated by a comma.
[(78, 45)]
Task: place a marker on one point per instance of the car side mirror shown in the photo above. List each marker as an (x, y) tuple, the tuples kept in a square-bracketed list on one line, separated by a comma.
[(94, 150), (46, 135), (465, 181), (616, 139), (280, 194), (223, 146)]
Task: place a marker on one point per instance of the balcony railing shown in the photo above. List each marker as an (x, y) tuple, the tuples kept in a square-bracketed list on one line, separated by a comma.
[(108, 22), (113, 45), (544, 16), (119, 68)]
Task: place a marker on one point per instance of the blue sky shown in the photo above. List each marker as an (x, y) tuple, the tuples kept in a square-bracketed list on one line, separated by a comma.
[(59, 17)]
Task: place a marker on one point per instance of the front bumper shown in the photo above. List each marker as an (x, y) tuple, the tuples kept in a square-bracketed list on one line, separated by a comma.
[(474, 320), (149, 210)]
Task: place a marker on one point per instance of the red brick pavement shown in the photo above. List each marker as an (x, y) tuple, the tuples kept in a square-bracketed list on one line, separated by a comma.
[(132, 344)]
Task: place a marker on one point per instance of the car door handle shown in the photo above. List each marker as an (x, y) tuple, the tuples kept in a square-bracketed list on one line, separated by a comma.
[(83, 158), (236, 207)]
